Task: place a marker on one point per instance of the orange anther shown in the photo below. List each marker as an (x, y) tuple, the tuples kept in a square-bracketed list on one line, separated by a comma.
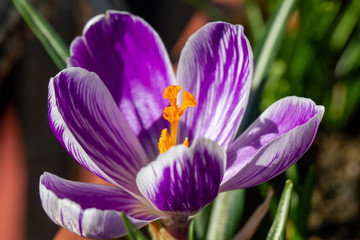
[(164, 141), (186, 142), (188, 101), (173, 114), (171, 93)]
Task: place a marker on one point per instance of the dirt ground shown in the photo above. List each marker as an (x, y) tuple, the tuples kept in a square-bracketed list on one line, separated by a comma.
[(336, 198)]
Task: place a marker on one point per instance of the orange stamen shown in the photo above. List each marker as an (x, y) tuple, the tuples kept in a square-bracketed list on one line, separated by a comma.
[(186, 142), (173, 114), (164, 141)]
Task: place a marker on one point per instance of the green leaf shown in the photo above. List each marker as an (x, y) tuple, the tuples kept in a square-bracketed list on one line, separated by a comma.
[(277, 229), (201, 222), (191, 231), (304, 206), (350, 58), (264, 188), (265, 52), (133, 232), (345, 25), (226, 214), (51, 41), (293, 174), (255, 19)]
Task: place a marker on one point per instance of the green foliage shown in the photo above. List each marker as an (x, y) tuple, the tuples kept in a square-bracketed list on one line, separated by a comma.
[(133, 232), (265, 52), (264, 189), (304, 207), (51, 41), (201, 222), (277, 229), (320, 59), (191, 234), (300, 202), (226, 215)]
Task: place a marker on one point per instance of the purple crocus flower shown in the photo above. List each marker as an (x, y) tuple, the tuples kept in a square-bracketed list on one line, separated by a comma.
[(108, 110)]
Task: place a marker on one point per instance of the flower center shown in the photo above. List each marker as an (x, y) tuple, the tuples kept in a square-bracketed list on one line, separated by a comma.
[(173, 114)]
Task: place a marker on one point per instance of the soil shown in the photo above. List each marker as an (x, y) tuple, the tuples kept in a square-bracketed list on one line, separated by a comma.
[(336, 197)]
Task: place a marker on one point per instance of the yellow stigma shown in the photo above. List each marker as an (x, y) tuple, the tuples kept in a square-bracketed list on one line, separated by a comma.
[(173, 114)]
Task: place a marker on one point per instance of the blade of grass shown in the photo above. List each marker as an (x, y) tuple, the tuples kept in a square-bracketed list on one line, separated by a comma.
[(264, 189), (345, 26), (293, 174), (265, 52), (191, 235), (277, 229), (133, 232), (201, 222), (304, 206), (255, 19), (51, 41), (350, 58), (226, 214)]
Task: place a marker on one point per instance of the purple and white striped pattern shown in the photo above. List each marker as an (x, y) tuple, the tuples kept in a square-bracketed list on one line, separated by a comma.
[(85, 119), (273, 143), (216, 66), (184, 180), (106, 110), (91, 210), (131, 60)]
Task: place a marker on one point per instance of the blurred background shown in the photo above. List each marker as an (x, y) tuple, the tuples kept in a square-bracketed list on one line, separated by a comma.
[(319, 58)]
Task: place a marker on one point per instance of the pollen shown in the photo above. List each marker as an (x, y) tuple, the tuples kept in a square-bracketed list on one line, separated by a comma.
[(186, 142), (173, 114), (164, 141)]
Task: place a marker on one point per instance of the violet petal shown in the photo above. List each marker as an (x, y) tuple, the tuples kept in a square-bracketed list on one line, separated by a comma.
[(131, 60), (87, 122), (273, 143), (91, 210), (183, 179), (216, 66)]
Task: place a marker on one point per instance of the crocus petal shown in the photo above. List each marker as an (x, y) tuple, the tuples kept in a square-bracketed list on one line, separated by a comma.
[(216, 66), (184, 179), (130, 58), (90, 210), (86, 120), (274, 142)]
